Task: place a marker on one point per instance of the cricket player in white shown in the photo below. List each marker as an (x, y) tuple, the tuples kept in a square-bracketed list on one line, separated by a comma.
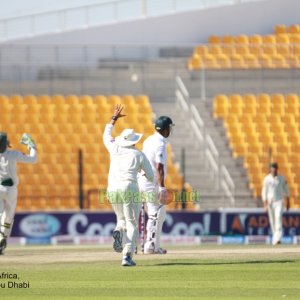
[(274, 190), (9, 181), (123, 191), (155, 194)]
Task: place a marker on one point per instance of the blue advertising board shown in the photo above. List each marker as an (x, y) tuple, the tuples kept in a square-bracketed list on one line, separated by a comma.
[(44, 225)]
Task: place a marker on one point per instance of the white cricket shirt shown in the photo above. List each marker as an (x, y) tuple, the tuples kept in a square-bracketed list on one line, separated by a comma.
[(9, 160), (155, 149), (125, 163), (274, 188)]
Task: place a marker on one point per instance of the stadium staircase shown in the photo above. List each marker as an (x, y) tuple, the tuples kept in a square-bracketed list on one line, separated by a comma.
[(195, 165)]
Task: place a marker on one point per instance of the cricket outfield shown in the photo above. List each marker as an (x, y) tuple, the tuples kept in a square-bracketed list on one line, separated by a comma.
[(203, 272)]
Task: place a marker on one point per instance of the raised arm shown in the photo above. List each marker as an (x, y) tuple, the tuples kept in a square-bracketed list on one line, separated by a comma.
[(264, 193), (287, 194), (107, 135), (30, 158)]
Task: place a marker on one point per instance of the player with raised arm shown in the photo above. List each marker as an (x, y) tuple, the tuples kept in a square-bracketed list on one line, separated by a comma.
[(9, 181), (123, 191), (155, 149)]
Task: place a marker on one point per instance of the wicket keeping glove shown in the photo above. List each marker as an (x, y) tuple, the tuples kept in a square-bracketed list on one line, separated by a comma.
[(27, 140)]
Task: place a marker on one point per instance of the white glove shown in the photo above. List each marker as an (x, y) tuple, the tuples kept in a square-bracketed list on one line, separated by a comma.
[(162, 195), (27, 140)]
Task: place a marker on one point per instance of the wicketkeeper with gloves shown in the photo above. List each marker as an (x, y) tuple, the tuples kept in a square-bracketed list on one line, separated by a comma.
[(9, 181), (155, 194)]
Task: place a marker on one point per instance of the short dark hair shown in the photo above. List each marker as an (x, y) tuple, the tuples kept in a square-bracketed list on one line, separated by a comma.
[(274, 165)]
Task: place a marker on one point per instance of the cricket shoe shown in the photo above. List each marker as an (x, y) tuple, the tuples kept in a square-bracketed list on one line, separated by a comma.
[(149, 248), (118, 238), (160, 251), (127, 261), (3, 244)]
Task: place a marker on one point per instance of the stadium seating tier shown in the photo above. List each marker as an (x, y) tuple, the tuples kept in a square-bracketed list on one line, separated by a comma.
[(61, 125), (263, 128)]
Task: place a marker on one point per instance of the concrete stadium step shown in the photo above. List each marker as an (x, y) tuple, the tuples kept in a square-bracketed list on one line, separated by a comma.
[(216, 131)]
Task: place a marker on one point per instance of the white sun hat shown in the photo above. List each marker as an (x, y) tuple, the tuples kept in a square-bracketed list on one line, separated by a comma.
[(128, 138)]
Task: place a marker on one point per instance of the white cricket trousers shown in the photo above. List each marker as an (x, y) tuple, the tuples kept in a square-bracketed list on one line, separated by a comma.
[(156, 214), (127, 221), (275, 211), (8, 198)]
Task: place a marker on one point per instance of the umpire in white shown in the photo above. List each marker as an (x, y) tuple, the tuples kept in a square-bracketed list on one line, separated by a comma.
[(123, 192), (274, 190), (9, 181)]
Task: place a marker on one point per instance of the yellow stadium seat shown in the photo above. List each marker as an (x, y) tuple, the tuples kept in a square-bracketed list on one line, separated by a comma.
[(142, 100), (242, 50), (264, 100), (113, 100), (283, 43), (209, 62), (214, 49), (245, 118), (284, 149), (269, 39), (294, 29), (249, 100), (44, 100), (237, 62), (292, 104), (242, 39), (235, 100), (251, 61), (277, 105), (228, 39), (223, 61), (255, 49), (128, 100), (195, 62), (265, 61), (221, 104), (201, 50), (269, 49), (86, 100), (250, 160), (30, 100), (233, 130), (255, 39), (249, 128), (231, 118), (228, 49), (294, 39), (254, 149), (72, 100), (289, 119), (265, 139), (280, 29), (214, 39), (279, 61), (239, 150), (16, 100)]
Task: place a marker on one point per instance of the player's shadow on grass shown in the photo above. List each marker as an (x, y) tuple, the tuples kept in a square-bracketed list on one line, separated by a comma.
[(203, 263)]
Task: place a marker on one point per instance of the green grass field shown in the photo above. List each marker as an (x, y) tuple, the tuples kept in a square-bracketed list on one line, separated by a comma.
[(219, 272)]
